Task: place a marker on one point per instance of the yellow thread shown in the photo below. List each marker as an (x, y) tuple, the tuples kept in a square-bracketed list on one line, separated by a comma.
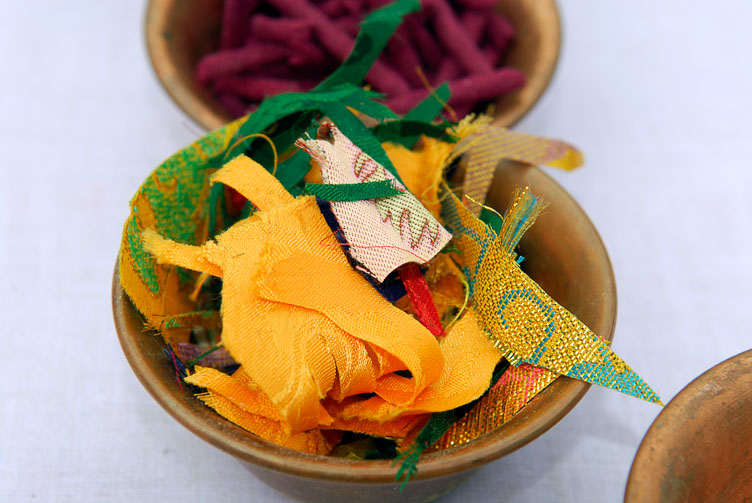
[(256, 135), (464, 304), (431, 90), (488, 207), (199, 283)]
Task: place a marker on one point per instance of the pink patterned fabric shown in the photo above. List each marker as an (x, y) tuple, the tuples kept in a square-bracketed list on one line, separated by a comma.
[(383, 233)]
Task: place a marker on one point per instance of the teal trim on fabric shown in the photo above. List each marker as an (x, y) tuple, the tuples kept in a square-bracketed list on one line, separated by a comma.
[(454, 225), (523, 216)]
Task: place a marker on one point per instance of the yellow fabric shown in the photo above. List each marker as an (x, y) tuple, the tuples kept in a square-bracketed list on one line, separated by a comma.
[(397, 428), (279, 299), (469, 361), (265, 191), (177, 179), (312, 334), (234, 398), (238, 399)]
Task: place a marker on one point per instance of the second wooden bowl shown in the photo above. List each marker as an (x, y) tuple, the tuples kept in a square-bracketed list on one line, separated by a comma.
[(179, 32), (699, 448)]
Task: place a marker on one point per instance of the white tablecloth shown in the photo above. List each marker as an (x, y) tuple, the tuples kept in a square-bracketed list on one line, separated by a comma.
[(658, 96)]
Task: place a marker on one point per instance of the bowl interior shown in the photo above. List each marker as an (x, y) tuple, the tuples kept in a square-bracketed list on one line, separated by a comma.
[(179, 32), (699, 447), (564, 254)]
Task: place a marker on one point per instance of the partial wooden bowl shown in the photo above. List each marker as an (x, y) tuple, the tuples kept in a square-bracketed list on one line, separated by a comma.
[(699, 448), (565, 256), (179, 32)]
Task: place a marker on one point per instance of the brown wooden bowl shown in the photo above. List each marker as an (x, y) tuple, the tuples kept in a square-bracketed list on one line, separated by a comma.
[(699, 448), (565, 256), (179, 32)]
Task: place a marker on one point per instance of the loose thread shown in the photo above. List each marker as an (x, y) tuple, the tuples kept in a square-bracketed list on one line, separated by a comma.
[(338, 243), (464, 304), (432, 91), (255, 135), (177, 372), (484, 206), (199, 284), (192, 363)]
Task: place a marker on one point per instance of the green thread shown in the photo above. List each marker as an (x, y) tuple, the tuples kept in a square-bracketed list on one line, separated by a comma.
[(426, 111), (193, 318), (192, 363)]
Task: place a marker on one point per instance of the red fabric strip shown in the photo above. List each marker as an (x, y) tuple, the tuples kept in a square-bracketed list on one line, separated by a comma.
[(420, 298)]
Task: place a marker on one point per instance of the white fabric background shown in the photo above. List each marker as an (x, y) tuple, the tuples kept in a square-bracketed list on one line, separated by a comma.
[(656, 95)]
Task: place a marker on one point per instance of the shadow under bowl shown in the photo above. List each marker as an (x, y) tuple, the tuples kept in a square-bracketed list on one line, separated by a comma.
[(180, 32), (565, 255), (699, 448)]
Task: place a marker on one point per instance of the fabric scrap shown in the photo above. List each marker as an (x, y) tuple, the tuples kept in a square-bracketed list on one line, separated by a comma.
[(494, 144), (384, 233), (352, 191), (524, 322), (517, 386)]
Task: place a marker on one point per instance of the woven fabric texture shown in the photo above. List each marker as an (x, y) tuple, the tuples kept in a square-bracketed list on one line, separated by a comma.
[(216, 359), (469, 361), (517, 386), (522, 320), (494, 144), (382, 233), (172, 200)]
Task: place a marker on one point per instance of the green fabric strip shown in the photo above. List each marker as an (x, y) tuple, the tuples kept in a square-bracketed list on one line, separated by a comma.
[(406, 132), (375, 31), (426, 111), (431, 106), (437, 425), (352, 191), (359, 134)]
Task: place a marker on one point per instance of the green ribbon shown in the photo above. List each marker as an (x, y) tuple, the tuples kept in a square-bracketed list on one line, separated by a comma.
[(352, 191)]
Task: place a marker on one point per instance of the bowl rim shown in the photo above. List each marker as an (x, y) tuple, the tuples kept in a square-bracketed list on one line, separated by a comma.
[(642, 471), (157, 47), (474, 454)]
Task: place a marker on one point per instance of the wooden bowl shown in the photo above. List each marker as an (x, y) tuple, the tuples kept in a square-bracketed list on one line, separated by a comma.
[(564, 254), (699, 448), (179, 32)]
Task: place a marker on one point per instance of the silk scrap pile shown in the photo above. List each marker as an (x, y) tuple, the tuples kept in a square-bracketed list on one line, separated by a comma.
[(326, 347), (330, 350)]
